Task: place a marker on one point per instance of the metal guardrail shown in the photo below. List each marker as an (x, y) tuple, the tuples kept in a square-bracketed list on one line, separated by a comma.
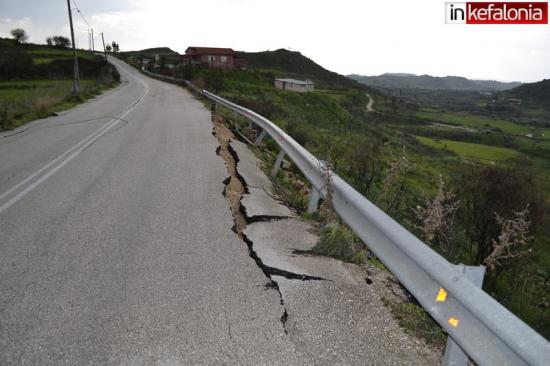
[(481, 327)]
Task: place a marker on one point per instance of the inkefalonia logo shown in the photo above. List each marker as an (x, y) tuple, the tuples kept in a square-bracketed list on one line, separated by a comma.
[(496, 13)]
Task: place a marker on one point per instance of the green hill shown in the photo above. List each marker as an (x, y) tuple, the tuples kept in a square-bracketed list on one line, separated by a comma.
[(36, 80), (529, 100), (532, 93), (427, 82), (160, 51), (35, 61), (170, 55), (293, 64)]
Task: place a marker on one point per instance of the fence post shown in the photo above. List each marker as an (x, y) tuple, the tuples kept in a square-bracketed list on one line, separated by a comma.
[(277, 164), (261, 137), (454, 355), (314, 197)]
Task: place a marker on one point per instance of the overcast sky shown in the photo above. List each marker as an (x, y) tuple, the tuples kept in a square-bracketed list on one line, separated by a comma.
[(346, 36)]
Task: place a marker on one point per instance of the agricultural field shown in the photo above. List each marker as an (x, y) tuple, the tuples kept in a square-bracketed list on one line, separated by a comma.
[(45, 56), (476, 121), (478, 152)]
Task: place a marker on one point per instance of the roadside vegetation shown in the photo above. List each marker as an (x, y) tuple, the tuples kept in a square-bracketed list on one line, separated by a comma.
[(465, 179), (36, 80)]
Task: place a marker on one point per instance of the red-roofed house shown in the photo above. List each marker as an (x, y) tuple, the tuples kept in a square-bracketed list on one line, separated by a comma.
[(213, 57)]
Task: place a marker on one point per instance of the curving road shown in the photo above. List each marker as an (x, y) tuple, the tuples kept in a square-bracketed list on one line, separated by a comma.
[(116, 244), (370, 103)]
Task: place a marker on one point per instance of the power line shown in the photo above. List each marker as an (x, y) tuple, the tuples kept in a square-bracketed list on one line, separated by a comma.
[(81, 15), (90, 27)]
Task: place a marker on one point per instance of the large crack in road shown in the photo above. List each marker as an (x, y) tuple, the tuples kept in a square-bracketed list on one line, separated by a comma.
[(235, 187)]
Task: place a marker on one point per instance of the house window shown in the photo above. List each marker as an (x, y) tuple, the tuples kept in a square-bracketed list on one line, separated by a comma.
[(211, 59), (224, 59)]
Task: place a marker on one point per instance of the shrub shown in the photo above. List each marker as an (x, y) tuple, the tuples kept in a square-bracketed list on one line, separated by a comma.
[(338, 242), (418, 322)]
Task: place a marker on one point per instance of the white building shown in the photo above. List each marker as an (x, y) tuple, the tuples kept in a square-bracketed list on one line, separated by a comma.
[(300, 86)]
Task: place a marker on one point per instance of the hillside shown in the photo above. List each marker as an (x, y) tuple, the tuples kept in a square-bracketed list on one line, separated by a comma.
[(34, 61), (534, 102), (36, 80), (170, 55), (160, 51), (427, 82), (295, 65), (532, 93)]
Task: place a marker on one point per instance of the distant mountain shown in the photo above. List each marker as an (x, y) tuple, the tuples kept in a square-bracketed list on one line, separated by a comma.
[(295, 65), (427, 82)]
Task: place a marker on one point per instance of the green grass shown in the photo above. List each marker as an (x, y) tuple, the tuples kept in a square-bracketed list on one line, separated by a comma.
[(21, 90), (54, 52), (46, 60), (479, 122), (338, 242), (337, 95), (23, 101), (470, 150), (416, 321)]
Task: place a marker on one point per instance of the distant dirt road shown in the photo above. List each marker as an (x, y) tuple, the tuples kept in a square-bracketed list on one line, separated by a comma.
[(370, 103)]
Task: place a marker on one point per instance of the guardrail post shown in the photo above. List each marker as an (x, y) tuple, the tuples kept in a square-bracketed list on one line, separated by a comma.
[(277, 164), (454, 355), (261, 137), (314, 197)]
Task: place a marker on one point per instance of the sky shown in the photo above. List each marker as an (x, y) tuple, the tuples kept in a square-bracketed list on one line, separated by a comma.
[(347, 36)]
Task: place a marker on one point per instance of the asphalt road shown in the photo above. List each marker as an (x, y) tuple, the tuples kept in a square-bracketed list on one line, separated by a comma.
[(116, 244)]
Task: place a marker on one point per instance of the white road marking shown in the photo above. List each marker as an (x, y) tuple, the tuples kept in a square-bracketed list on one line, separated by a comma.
[(79, 147)]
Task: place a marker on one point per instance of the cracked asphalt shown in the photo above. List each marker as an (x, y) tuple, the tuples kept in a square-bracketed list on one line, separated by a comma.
[(124, 241), (124, 254)]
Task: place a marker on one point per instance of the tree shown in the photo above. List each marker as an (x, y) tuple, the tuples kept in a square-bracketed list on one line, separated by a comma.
[(60, 41), (20, 35), (366, 165), (49, 41), (109, 48), (489, 198), (116, 48)]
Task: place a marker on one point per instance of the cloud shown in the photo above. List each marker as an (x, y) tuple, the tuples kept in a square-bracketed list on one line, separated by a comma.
[(7, 24), (348, 36)]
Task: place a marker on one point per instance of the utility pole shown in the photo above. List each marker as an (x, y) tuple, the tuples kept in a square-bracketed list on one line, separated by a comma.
[(104, 49), (76, 80), (93, 45)]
